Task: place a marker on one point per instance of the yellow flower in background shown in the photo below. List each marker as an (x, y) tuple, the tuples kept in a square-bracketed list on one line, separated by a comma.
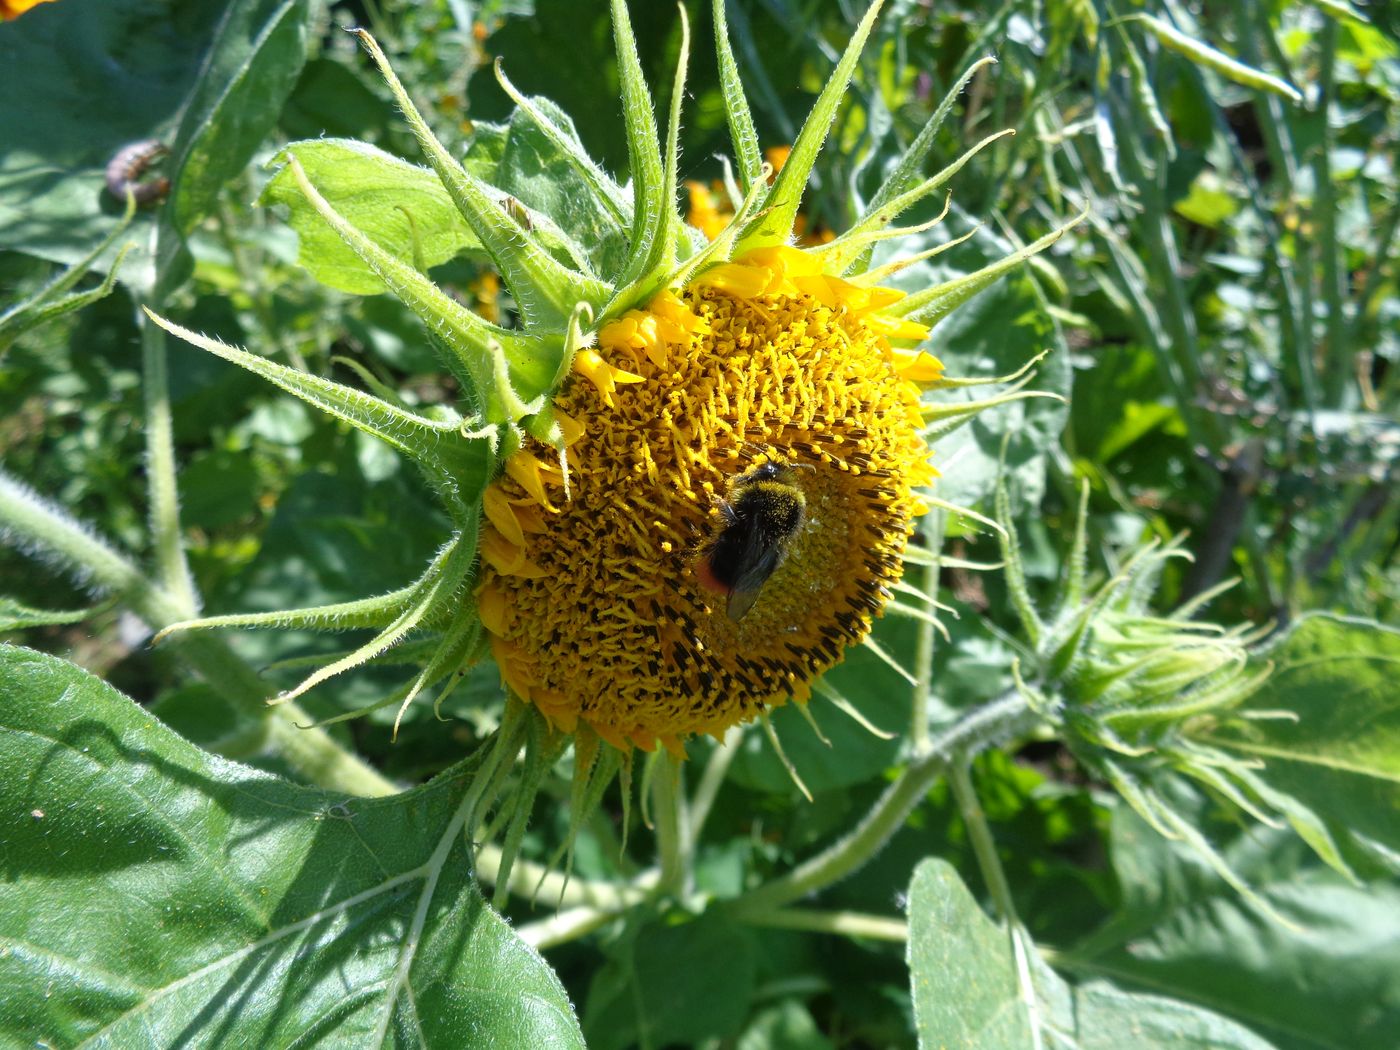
[(707, 212), (14, 8), (710, 212)]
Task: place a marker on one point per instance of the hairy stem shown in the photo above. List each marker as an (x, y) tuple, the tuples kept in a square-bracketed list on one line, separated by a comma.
[(49, 533), (985, 849), (1000, 720), (672, 839), (172, 570)]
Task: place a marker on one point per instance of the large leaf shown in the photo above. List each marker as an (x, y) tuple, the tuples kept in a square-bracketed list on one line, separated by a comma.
[(154, 895), (206, 76), (547, 168), (1331, 981), (1340, 754), (674, 983), (401, 207), (966, 993)]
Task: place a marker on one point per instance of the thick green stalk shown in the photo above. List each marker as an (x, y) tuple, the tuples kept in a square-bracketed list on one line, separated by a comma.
[(989, 724), (50, 533), (672, 839), (172, 570), (984, 847), (980, 835)]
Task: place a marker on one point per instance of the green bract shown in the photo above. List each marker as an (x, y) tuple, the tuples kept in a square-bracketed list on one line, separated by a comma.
[(1142, 699)]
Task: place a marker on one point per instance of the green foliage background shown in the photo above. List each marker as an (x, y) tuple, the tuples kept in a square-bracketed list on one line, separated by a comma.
[(1225, 327)]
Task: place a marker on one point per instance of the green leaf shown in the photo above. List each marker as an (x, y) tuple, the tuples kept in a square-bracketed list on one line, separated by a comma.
[(80, 83), (671, 984), (1340, 753), (1208, 203), (993, 335), (545, 166), (963, 979), (545, 290), (1331, 982), (399, 206), (966, 994), (155, 895), (774, 224), (246, 74), (1108, 1018), (207, 75)]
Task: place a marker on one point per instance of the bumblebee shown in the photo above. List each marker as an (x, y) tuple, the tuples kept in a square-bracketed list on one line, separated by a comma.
[(763, 510)]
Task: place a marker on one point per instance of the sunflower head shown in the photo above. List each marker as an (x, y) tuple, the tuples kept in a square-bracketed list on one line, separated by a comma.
[(682, 482), (741, 480)]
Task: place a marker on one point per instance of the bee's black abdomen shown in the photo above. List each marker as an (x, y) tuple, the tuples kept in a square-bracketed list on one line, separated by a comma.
[(763, 512)]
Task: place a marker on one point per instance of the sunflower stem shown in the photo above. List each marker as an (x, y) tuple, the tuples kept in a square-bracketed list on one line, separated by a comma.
[(985, 849), (172, 570), (999, 720), (50, 533), (840, 923), (980, 835), (923, 660), (670, 816)]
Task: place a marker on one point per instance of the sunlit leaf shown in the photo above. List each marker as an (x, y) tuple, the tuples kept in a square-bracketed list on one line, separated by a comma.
[(156, 896), (966, 994), (1339, 753), (1332, 980)]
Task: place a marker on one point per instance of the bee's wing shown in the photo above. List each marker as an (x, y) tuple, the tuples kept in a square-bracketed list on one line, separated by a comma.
[(760, 557), (740, 602)]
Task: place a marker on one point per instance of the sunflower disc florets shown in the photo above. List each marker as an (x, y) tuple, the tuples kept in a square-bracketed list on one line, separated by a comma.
[(598, 604)]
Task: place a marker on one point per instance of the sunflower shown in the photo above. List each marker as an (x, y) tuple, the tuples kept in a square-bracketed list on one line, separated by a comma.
[(603, 606), (14, 8), (683, 482)]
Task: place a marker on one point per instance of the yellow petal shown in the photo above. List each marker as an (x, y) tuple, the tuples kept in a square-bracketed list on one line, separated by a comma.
[(493, 607), (742, 282), (505, 557), (918, 366), (532, 474), (501, 514), (569, 427), (602, 375)]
